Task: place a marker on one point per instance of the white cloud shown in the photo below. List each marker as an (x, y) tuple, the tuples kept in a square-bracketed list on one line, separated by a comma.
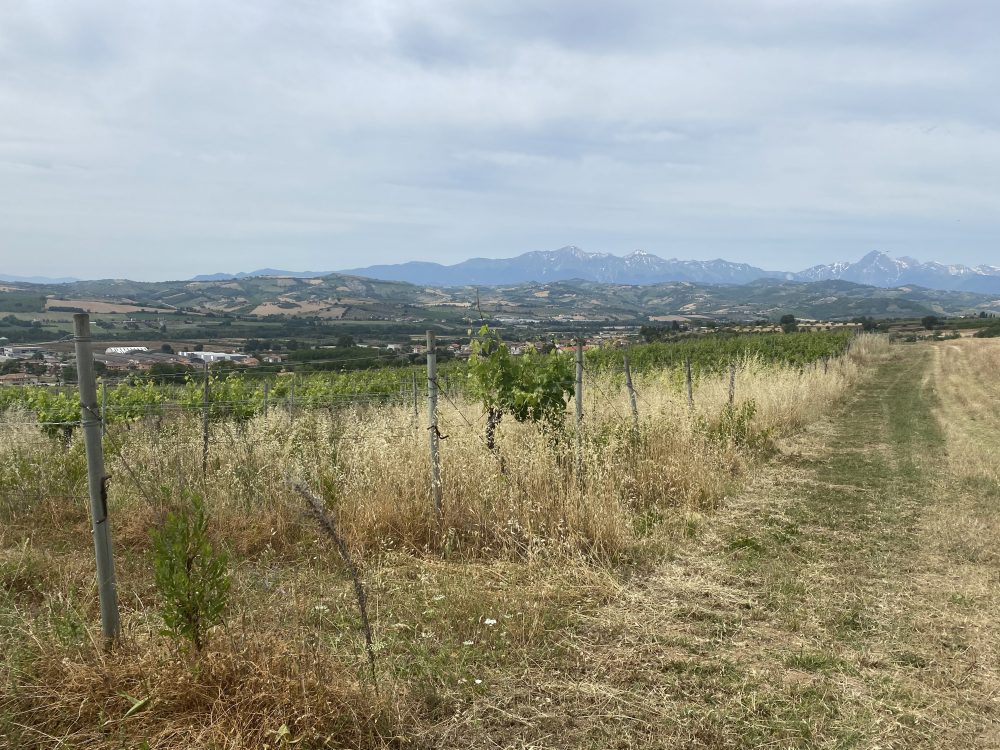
[(169, 138)]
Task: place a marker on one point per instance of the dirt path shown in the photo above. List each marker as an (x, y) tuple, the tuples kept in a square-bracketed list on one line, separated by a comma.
[(849, 599)]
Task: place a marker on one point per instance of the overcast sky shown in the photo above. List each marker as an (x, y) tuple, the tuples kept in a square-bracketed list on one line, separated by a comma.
[(161, 139)]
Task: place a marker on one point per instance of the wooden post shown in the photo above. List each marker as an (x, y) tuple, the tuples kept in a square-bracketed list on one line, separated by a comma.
[(267, 392), (107, 588), (291, 400), (631, 394), (432, 395), (204, 427), (688, 381), (732, 384)]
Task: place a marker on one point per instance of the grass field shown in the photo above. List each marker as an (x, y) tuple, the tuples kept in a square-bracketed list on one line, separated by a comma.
[(825, 579)]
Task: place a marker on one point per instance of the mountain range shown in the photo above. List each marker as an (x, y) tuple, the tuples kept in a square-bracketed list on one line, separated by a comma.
[(638, 268), (874, 269)]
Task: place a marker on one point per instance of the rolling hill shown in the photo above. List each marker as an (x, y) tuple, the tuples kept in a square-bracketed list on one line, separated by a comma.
[(339, 297)]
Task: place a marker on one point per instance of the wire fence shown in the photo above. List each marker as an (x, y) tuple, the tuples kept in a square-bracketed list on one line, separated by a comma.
[(230, 398)]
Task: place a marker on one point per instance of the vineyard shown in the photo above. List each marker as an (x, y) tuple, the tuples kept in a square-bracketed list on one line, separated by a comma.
[(714, 354), (538, 514), (247, 394)]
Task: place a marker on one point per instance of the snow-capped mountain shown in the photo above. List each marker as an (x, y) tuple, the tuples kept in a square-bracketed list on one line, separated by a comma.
[(567, 263), (879, 269), (640, 267)]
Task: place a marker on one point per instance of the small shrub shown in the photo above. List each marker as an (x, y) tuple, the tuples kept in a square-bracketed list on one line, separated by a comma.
[(735, 427), (192, 576), (990, 332)]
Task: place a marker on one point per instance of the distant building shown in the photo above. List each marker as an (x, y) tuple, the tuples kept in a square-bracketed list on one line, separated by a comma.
[(215, 356), (125, 349), (21, 352), (18, 378)]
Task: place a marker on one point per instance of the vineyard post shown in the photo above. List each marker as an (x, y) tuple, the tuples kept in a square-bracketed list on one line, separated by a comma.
[(416, 415), (732, 384), (104, 407), (579, 406), (96, 478), (432, 399), (631, 393), (291, 400), (687, 380), (267, 392), (204, 426)]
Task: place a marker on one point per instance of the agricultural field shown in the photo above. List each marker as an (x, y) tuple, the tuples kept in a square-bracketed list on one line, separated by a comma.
[(380, 379), (801, 557)]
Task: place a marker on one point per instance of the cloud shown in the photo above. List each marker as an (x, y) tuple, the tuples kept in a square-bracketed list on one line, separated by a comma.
[(160, 138)]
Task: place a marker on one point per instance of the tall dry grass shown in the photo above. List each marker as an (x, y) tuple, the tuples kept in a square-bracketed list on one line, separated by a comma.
[(372, 464), (965, 375), (288, 654)]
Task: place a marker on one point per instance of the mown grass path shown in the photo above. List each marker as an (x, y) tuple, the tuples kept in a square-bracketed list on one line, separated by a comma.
[(848, 599)]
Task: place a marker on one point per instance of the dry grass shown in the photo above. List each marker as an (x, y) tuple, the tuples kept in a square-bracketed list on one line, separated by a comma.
[(529, 547)]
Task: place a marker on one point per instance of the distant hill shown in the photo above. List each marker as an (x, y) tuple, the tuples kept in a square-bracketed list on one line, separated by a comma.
[(352, 298), (36, 279), (261, 272), (875, 269)]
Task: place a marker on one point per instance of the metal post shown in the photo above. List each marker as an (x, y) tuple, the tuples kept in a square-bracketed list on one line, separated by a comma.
[(631, 394), (579, 407), (204, 427), (732, 384), (291, 400), (688, 381), (432, 393), (107, 588), (267, 392), (416, 415), (104, 406)]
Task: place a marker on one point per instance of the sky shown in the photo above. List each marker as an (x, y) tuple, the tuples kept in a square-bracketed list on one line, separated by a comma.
[(159, 139)]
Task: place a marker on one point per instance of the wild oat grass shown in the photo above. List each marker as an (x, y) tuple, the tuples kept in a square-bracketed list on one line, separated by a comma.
[(373, 465), (524, 536)]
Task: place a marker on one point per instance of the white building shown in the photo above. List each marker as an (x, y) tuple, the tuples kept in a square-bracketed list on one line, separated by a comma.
[(214, 356), (125, 349)]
